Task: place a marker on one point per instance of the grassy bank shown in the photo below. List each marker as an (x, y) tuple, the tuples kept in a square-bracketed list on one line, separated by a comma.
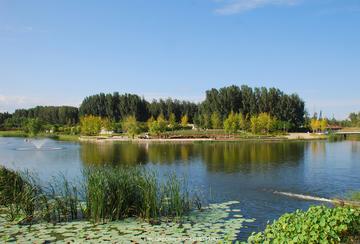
[(10, 133), (105, 194), (60, 137)]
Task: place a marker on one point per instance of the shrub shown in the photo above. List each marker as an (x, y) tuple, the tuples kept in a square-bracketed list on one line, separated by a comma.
[(90, 125), (131, 126), (319, 224)]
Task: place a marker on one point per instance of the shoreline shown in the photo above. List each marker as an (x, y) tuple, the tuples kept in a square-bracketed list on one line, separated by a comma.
[(290, 137)]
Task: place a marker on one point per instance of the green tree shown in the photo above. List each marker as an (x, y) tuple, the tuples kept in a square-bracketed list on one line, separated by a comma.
[(157, 126), (184, 120), (243, 122), (90, 125), (323, 125), (231, 123), (315, 125), (131, 126), (172, 121), (264, 123), (33, 126), (254, 124), (162, 123), (216, 120), (107, 124)]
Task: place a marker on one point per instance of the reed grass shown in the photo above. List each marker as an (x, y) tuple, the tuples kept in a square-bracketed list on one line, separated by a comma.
[(105, 194), (117, 193)]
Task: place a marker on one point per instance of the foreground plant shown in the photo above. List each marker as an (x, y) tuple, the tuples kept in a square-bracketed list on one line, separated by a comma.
[(319, 224), (107, 193), (116, 193)]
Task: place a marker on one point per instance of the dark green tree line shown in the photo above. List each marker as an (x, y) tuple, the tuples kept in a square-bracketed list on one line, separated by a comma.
[(3, 118), (61, 115), (117, 107), (250, 102)]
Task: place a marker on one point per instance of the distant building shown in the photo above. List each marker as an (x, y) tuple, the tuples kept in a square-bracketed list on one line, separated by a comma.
[(333, 127), (106, 132)]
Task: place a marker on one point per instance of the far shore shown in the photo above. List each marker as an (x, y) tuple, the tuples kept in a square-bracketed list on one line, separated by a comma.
[(290, 136)]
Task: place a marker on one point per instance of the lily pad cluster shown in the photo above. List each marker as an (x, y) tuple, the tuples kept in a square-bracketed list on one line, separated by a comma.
[(214, 223)]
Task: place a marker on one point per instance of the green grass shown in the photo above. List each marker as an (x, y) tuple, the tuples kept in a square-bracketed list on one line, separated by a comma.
[(106, 194), (220, 133), (60, 137), (13, 133)]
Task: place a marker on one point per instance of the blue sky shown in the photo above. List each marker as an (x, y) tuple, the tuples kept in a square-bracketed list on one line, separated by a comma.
[(58, 52)]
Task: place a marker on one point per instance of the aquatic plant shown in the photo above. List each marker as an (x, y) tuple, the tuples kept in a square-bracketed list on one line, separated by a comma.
[(210, 225), (106, 194), (319, 224), (116, 193), (17, 193)]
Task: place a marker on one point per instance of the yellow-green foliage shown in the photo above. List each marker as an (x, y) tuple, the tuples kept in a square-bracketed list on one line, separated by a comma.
[(262, 123), (319, 224), (157, 126), (231, 123), (172, 121), (216, 121), (184, 120), (323, 124), (131, 126), (90, 125)]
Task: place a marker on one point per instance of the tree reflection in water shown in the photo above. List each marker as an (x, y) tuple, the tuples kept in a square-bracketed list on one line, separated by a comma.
[(217, 156)]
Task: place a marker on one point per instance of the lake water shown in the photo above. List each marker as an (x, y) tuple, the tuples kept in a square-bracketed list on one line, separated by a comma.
[(248, 172)]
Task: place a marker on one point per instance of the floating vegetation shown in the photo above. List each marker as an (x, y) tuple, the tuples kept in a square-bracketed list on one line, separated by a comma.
[(209, 225)]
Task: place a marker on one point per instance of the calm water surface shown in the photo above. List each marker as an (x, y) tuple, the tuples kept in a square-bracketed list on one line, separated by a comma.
[(248, 172)]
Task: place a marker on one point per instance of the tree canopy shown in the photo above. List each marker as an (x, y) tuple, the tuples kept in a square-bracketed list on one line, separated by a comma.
[(244, 101), (249, 101)]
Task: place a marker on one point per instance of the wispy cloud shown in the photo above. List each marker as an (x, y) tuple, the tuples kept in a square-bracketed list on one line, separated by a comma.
[(13, 29), (11, 103), (238, 6)]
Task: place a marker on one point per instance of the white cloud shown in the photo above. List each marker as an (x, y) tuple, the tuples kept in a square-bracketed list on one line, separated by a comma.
[(239, 6), (11, 103)]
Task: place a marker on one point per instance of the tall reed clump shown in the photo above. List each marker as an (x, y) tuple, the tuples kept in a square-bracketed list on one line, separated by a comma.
[(117, 193), (106, 194), (17, 193), (25, 200)]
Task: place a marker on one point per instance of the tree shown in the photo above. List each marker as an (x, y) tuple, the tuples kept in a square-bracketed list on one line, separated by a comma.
[(243, 122), (264, 123), (172, 121), (254, 124), (131, 126), (3, 118), (107, 124), (33, 126), (157, 126), (216, 120), (231, 124), (323, 125), (162, 123), (90, 125), (315, 125), (184, 120)]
